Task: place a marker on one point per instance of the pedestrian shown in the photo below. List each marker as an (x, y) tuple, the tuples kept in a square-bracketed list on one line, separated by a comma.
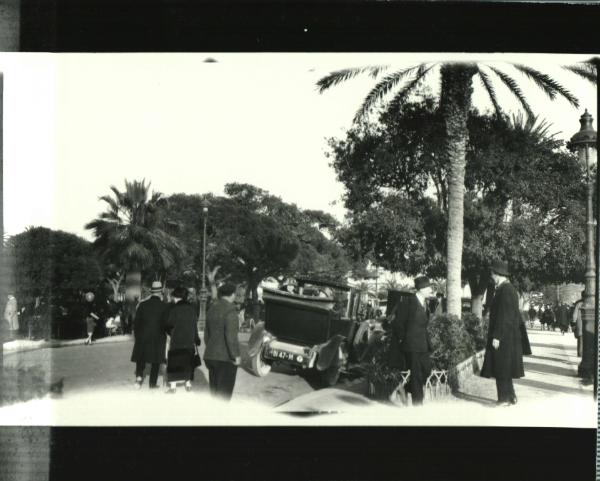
[(150, 337), (504, 350), (532, 316), (11, 316), (410, 337), (181, 324), (548, 317), (91, 317), (222, 352), (562, 319), (578, 324)]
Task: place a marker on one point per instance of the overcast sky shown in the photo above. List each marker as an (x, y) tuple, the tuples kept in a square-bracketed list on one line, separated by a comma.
[(76, 123)]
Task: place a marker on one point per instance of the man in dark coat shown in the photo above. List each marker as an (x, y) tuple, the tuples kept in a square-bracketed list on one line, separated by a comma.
[(222, 352), (410, 338), (562, 318), (504, 351), (150, 336)]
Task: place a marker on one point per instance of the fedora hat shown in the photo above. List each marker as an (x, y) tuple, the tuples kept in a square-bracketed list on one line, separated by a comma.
[(422, 282), (156, 287), (500, 267)]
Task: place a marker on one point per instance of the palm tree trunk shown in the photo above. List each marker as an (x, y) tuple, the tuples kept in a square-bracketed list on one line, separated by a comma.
[(478, 285), (133, 285), (456, 103)]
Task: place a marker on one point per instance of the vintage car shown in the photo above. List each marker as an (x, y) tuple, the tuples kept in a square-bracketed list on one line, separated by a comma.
[(314, 328)]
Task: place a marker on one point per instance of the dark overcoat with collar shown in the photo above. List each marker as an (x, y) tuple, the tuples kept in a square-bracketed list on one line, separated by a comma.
[(409, 331), (182, 326), (149, 331), (506, 362), (221, 332)]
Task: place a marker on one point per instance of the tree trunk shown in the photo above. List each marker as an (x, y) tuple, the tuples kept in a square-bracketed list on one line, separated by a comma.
[(455, 103), (133, 285), (253, 286), (478, 285)]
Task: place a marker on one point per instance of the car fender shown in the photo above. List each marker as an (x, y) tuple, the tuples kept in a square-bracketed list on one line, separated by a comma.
[(257, 339), (327, 353)]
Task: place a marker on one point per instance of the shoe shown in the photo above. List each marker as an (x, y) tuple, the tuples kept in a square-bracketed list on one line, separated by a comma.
[(513, 399), (138, 383), (503, 403), (170, 390), (188, 386)]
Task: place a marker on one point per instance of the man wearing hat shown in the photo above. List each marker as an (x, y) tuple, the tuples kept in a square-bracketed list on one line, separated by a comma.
[(150, 336), (222, 352), (410, 337), (504, 351)]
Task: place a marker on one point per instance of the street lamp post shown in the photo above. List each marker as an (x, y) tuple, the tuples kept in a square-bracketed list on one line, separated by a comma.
[(584, 142), (203, 291)]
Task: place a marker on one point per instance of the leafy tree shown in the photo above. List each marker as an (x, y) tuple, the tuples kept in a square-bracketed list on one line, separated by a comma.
[(51, 264), (514, 166), (134, 234), (455, 106), (252, 235)]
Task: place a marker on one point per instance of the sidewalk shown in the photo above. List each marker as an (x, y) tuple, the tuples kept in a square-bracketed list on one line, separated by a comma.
[(550, 395), (22, 345), (550, 372)]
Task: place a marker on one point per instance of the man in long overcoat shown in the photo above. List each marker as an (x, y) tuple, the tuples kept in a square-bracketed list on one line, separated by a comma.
[(150, 336), (504, 352), (222, 351), (410, 344)]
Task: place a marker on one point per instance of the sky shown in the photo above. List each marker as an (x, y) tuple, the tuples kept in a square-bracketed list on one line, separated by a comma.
[(75, 124)]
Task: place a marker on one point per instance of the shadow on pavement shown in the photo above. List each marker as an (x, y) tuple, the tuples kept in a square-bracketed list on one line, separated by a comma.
[(546, 369), (477, 399), (547, 386), (545, 358), (561, 347)]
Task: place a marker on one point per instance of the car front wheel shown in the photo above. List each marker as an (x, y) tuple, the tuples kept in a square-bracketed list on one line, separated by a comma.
[(259, 366)]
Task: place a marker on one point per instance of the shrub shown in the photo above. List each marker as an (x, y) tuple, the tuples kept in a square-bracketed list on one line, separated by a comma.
[(476, 329), (378, 370), (450, 342)]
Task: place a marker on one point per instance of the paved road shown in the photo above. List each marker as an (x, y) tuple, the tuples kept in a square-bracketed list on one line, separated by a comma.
[(99, 391), (107, 366)]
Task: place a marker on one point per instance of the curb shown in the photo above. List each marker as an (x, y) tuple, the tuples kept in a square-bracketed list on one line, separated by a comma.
[(24, 345)]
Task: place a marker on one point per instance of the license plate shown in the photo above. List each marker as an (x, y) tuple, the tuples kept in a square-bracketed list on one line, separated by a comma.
[(278, 354)]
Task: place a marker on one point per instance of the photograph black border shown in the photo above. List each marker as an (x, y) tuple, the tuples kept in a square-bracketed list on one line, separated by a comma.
[(394, 453)]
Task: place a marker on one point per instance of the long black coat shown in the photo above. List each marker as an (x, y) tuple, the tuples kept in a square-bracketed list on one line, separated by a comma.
[(149, 331), (182, 326), (505, 319), (409, 331)]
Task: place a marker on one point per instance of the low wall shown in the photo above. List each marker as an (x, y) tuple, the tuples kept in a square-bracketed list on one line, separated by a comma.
[(470, 366)]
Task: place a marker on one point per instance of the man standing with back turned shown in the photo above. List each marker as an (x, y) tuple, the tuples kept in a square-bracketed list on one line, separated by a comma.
[(222, 352), (410, 331), (150, 336), (504, 351)]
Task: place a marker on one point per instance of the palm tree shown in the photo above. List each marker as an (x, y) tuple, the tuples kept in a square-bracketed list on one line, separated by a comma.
[(587, 70), (133, 234), (455, 104)]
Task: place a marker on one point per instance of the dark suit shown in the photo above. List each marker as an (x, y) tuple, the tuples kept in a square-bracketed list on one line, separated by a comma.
[(222, 347), (506, 362), (410, 344), (150, 337)]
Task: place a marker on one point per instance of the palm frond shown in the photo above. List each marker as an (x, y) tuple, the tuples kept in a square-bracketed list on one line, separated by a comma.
[(587, 70), (550, 86), (514, 88), (406, 90), (382, 87), (491, 91), (339, 76)]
